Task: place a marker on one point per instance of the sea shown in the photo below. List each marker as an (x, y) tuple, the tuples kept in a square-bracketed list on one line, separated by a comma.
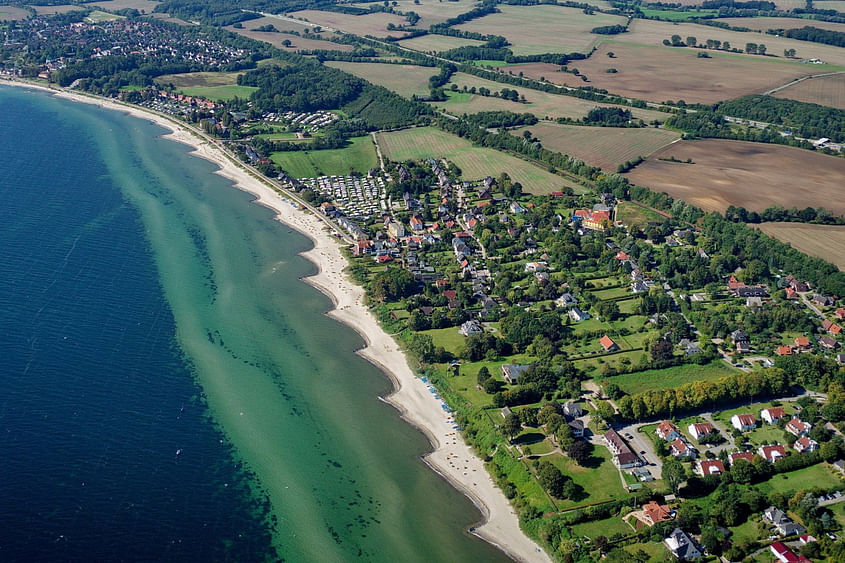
[(169, 388)]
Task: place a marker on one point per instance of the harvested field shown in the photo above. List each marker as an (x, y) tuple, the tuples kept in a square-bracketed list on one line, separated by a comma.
[(297, 43), (167, 18), (779, 4), (643, 72), (13, 13), (750, 175), (431, 12), (765, 24), (368, 24), (533, 30), (474, 162), (436, 43), (49, 10), (823, 241), (825, 91), (405, 80), (541, 104), (278, 23), (650, 32), (838, 5), (606, 147), (143, 6)]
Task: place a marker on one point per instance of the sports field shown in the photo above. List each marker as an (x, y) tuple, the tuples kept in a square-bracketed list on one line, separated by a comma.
[(825, 91), (646, 73), (359, 156), (824, 241), (367, 24), (405, 80), (436, 43), (740, 173), (533, 30), (541, 104), (606, 147), (474, 162)]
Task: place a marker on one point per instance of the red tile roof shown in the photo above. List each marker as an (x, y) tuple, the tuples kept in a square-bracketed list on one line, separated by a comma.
[(607, 342)]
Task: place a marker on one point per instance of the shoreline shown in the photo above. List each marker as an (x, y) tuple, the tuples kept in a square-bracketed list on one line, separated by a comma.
[(450, 457)]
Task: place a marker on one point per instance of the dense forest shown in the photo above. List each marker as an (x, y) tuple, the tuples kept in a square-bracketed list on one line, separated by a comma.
[(814, 34)]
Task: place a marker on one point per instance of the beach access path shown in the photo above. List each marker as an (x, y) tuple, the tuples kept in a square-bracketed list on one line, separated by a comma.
[(451, 457)]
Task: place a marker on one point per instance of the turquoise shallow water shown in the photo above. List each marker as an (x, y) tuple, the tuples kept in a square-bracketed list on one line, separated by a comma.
[(135, 283)]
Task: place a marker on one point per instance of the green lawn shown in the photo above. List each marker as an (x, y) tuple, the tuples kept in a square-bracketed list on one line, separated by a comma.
[(631, 214), (656, 550), (600, 480), (219, 93), (839, 513), (593, 366), (746, 530), (627, 306), (359, 156), (677, 16), (606, 528), (449, 338), (613, 293), (725, 416), (671, 377), (820, 475)]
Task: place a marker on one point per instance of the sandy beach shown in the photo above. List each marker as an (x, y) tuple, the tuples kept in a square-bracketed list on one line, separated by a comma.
[(451, 457)]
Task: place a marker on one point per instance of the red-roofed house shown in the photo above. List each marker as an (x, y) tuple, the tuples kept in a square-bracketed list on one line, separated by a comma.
[(772, 415), (382, 258), (831, 327), (805, 444), (747, 456), (667, 431), (450, 294), (785, 555), (608, 344), (772, 453), (791, 293), (679, 448), (743, 422), (700, 429), (798, 427), (622, 256), (596, 220), (733, 284), (656, 513), (710, 467), (784, 351), (840, 313), (802, 343)]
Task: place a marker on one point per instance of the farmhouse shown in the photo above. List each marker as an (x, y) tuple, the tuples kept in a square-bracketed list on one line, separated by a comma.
[(700, 429), (743, 422)]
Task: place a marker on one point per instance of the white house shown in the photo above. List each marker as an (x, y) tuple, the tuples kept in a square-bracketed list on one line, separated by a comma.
[(743, 422)]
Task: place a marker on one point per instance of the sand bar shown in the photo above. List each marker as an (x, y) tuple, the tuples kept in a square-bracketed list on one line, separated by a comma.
[(451, 457)]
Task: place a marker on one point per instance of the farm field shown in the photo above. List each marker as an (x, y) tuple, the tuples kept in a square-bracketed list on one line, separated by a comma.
[(641, 73), (751, 175), (143, 6), (359, 156), (44, 10), (824, 90), (824, 241), (651, 32), (436, 43), (779, 4), (278, 23), (431, 12), (670, 377), (368, 24), (606, 147), (215, 86), (838, 5), (474, 162), (765, 24), (405, 80), (541, 104), (533, 30), (631, 214), (14, 13), (276, 39)]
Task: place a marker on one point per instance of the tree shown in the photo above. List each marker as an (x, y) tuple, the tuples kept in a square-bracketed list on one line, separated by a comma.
[(512, 425), (607, 310), (761, 49), (661, 351), (751, 48), (483, 375), (604, 411), (551, 479), (673, 473), (676, 41), (692, 41), (579, 451)]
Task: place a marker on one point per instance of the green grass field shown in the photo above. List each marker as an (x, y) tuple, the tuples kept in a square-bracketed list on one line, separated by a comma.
[(219, 93), (405, 80), (631, 214), (359, 156), (475, 162), (606, 528), (600, 480), (820, 475), (671, 377), (677, 16)]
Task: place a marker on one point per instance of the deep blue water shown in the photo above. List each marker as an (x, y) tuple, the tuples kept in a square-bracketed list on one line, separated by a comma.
[(92, 385)]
